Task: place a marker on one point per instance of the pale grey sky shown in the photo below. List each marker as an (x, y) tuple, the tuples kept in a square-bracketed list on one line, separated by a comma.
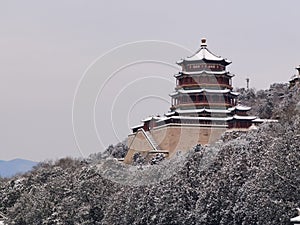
[(45, 47)]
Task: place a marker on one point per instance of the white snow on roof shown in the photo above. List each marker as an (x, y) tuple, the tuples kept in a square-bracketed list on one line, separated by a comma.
[(156, 117), (200, 118), (164, 119), (203, 71), (204, 53), (235, 93), (294, 77), (244, 117), (296, 219), (204, 90), (169, 113), (179, 61), (183, 91), (180, 111), (147, 119), (150, 118), (240, 107), (258, 120), (137, 126)]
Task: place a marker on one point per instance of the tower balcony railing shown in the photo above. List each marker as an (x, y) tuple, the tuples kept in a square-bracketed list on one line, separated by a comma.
[(216, 85), (204, 81), (210, 104)]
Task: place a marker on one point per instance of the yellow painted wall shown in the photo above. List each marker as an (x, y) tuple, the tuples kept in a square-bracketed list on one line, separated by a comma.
[(173, 138), (137, 143), (183, 138)]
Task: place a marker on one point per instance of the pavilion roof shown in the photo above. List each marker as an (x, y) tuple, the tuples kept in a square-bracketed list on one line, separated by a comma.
[(244, 117), (240, 108), (183, 111), (137, 126), (197, 118), (294, 77), (204, 54)]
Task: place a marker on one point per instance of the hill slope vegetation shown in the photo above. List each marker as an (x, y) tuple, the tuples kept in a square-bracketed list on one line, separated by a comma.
[(252, 178)]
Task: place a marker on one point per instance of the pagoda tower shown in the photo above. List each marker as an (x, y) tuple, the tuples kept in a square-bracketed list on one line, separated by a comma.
[(203, 83), (203, 92), (204, 88), (203, 107)]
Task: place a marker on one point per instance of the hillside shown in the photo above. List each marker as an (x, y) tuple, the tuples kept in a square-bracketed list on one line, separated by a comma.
[(270, 103), (245, 178)]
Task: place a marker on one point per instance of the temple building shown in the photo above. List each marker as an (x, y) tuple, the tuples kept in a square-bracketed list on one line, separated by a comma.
[(295, 79), (203, 107)]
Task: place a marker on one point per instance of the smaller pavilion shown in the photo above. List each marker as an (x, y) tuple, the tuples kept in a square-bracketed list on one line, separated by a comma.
[(295, 79)]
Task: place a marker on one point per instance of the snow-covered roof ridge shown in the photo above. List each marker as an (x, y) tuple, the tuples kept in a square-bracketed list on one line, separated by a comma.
[(147, 119), (297, 218), (294, 77), (240, 108), (244, 117), (180, 111), (204, 53), (197, 118), (137, 126), (169, 114), (217, 91), (258, 120), (150, 118)]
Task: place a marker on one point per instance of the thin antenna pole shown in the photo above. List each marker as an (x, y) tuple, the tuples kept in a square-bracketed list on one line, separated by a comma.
[(247, 80)]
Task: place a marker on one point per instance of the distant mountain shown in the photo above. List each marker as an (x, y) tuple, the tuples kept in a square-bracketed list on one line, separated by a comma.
[(12, 167)]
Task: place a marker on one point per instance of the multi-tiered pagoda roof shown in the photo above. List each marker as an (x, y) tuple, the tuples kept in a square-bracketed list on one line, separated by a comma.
[(203, 107), (203, 54), (203, 95)]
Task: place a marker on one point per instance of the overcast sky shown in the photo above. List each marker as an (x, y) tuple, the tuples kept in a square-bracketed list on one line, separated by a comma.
[(46, 46)]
